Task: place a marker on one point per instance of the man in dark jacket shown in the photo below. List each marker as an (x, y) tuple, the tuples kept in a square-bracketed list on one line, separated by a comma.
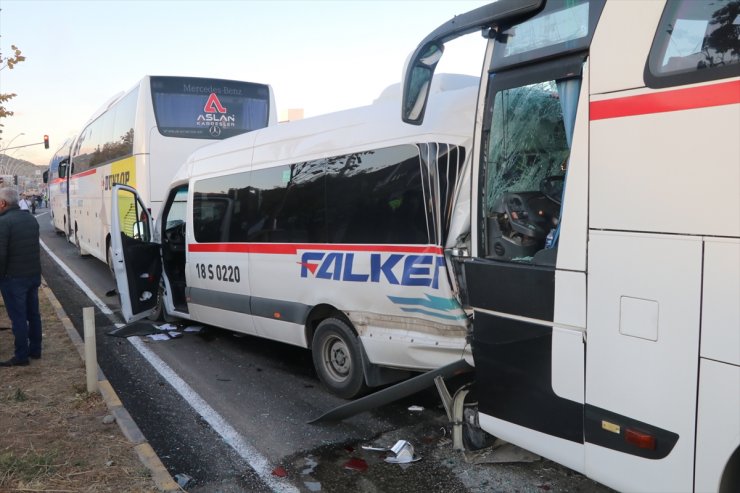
[(20, 276)]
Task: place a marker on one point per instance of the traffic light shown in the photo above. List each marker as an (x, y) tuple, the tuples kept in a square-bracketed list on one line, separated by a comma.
[(46, 141)]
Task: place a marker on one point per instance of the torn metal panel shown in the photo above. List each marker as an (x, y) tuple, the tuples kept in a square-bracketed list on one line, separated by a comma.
[(391, 394)]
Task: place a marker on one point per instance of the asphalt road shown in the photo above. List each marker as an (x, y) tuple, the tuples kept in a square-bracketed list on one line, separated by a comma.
[(230, 411)]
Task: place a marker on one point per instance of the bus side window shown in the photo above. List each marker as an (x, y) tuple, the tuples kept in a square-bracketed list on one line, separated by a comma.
[(695, 42)]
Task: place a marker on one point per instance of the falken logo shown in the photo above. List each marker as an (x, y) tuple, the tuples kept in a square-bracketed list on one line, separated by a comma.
[(433, 306), (394, 268)]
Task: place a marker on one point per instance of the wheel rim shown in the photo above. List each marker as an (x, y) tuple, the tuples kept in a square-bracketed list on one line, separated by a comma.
[(337, 359)]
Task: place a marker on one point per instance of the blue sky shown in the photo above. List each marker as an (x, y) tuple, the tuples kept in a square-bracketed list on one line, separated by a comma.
[(321, 56)]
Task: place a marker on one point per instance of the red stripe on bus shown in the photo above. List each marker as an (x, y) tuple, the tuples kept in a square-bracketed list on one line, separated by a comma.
[(85, 173), (57, 180), (662, 102), (293, 248)]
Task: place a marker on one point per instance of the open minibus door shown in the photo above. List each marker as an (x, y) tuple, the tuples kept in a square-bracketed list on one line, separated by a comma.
[(137, 262)]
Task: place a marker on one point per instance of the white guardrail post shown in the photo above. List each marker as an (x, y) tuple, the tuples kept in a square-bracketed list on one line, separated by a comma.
[(91, 358)]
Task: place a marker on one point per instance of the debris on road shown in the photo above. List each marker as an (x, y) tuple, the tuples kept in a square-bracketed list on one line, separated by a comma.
[(501, 452), (158, 337), (183, 479), (404, 453), (402, 450)]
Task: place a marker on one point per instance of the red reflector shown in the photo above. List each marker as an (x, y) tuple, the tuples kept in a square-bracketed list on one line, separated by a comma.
[(639, 439)]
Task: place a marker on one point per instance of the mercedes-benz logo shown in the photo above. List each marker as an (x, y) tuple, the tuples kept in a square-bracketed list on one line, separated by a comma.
[(215, 131)]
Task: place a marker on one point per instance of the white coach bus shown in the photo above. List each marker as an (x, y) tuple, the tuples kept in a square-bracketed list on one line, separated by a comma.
[(602, 265), (56, 190), (325, 233), (143, 136)]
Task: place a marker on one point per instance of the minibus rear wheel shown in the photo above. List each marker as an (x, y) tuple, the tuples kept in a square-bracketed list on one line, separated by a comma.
[(337, 357)]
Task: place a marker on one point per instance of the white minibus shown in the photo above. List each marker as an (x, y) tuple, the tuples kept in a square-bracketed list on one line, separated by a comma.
[(325, 233)]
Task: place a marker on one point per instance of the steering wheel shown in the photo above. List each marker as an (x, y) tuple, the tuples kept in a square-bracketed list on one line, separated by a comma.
[(552, 187), (176, 234)]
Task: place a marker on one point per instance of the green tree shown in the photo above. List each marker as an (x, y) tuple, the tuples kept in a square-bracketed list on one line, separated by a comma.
[(9, 63)]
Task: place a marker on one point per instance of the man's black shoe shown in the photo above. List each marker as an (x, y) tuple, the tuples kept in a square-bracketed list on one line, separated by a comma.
[(14, 362), (35, 356)]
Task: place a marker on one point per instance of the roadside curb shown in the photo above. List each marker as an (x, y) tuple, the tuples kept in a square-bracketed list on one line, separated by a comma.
[(130, 430)]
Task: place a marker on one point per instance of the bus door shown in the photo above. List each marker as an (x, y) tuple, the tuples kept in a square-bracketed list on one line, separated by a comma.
[(526, 280), (137, 263)]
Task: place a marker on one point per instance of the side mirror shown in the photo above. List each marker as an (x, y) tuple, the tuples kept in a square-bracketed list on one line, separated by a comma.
[(417, 81), (63, 166)]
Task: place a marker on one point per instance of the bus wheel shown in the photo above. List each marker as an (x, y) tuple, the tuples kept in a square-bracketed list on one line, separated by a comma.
[(337, 357), (80, 251)]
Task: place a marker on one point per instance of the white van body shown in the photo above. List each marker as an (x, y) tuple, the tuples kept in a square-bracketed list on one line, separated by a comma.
[(603, 261), (356, 237)]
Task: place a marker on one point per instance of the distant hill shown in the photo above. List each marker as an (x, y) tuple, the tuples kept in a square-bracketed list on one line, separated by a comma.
[(12, 166)]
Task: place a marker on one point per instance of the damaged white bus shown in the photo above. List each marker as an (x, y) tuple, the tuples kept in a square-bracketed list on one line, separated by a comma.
[(602, 266), (325, 233)]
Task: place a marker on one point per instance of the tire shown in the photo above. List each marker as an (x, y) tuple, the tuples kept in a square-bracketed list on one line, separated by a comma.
[(80, 252), (474, 438), (337, 357)]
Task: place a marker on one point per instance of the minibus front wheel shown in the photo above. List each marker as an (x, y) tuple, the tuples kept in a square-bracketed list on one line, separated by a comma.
[(337, 357)]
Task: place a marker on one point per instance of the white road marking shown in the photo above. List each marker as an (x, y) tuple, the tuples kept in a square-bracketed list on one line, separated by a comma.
[(249, 453), (98, 302)]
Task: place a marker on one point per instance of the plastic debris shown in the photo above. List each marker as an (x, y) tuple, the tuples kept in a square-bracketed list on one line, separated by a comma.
[(182, 479), (404, 453), (375, 449), (158, 337), (311, 464), (145, 296), (194, 328), (312, 485), (416, 409)]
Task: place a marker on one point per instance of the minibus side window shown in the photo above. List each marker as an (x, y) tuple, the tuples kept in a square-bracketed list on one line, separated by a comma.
[(377, 196), (214, 206), (289, 204)]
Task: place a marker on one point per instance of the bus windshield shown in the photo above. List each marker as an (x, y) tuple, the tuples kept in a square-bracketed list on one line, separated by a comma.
[(562, 27), (194, 108)]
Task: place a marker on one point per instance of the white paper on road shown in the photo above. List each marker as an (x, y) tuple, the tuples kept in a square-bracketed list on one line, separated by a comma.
[(159, 337), (166, 327)]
